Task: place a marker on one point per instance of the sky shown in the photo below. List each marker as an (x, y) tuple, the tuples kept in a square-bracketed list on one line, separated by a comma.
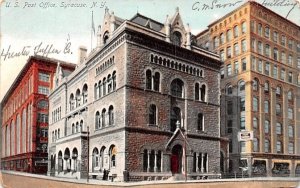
[(27, 24)]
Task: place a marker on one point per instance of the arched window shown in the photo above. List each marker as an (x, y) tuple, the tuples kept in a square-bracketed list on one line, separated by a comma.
[(152, 115), (73, 128), (229, 89), (222, 38), (291, 131), (74, 157), (175, 116), (111, 115), (96, 91), (95, 159), (241, 86), (78, 98), (177, 38), (60, 161), (177, 87), (197, 90), (148, 79), (97, 120), (85, 93), (18, 133), (278, 109), (103, 114), (109, 84), (156, 82), (235, 31), (112, 155), (244, 27), (81, 126), (105, 37), (200, 122), (203, 93), (279, 147), (102, 153), (72, 102), (278, 91), (104, 86), (67, 159), (145, 160), (114, 78), (99, 89), (77, 126)]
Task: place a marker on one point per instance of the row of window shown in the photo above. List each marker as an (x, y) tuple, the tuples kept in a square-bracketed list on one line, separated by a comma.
[(55, 135), (255, 108), (56, 115), (79, 98), (236, 66), (275, 54), (169, 63), (265, 68), (99, 158), (68, 161), (105, 86), (76, 127), (105, 65), (236, 32), (236, 50), (200, 162), (275, 37), (152, 161), (279, 146), (101, 121), (18, 98)]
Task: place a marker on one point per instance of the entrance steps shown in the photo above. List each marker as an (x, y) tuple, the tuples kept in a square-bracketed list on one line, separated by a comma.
[(177, 177)]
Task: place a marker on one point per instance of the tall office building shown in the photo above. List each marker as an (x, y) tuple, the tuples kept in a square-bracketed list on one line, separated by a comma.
[(25, 116), (260, 88)]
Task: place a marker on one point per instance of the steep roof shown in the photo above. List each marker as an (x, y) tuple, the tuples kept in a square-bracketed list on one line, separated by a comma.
[(147, 22)]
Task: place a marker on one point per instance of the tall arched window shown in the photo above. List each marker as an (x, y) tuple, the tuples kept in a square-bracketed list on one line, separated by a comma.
[(74, 157), (148, 79), (200, 122), (102, 157), (103, 114), (81, 126), (177, 87), (18, 133), (78, 98), (96, 91), (267, 126), (72, 102), (112, 155), (229, 89), (203, 93), (104, 86), (290, 95), (152, 115), (266, 87), (109, 83), (105, 37), (255, 104), (73, 128), (177, 38), (97, 120), (241, 86), (267, 146), (175, 116), (99, 89), (145, 160), (156, 82), (111, 115), (114, 80), (266, 103), (95, 159), (197, 89), (85, 93), (255, 123)]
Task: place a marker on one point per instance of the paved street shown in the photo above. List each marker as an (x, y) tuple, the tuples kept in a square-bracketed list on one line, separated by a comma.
[(36, 181)]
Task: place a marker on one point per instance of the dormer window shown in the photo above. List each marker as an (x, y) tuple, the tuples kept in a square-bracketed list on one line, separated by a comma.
[(177, 38)]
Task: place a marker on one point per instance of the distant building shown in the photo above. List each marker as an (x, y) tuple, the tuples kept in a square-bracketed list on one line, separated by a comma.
[(260, 88), (126, 106), (25, 116)]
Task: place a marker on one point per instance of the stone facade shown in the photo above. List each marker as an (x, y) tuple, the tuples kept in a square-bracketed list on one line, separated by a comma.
[(146, 102)]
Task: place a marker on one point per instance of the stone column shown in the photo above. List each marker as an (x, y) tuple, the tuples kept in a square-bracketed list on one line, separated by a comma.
[(148, 162), (197, 161), (202, 163), (155, 161)]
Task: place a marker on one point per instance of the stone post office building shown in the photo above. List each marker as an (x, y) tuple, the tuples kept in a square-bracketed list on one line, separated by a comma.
[(144, 103)]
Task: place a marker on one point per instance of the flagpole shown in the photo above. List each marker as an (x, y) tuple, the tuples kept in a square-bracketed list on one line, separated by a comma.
[(92, 32)]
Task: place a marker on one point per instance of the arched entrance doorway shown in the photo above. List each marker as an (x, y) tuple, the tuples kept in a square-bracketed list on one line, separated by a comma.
[(176, 159)]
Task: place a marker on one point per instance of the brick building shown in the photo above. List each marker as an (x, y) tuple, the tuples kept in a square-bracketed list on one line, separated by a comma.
[(260, 88), (146, 101), (25, 116)]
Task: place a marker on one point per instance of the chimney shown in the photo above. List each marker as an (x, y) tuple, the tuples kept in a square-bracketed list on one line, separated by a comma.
[(82, 53)]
